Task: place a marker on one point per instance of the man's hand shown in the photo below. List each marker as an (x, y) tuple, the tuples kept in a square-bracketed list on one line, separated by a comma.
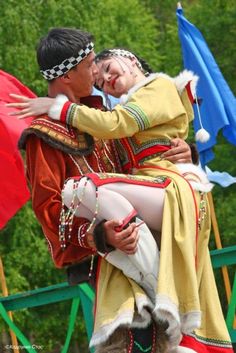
[(126, 240), (180, 152)]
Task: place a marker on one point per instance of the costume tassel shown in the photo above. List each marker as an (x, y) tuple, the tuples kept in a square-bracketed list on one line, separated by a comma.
[(202, 135)]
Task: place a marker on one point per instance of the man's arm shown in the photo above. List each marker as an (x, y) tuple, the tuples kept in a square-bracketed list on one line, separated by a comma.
[(181, 152), (47, 169)]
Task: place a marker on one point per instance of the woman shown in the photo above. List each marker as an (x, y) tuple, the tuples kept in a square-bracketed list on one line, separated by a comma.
[(152, 111)]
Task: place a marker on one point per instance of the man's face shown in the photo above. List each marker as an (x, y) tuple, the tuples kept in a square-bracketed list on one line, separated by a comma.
[(83, 76)]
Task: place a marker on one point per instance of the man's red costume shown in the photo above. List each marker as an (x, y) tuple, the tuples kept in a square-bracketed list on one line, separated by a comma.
[(55, 152)]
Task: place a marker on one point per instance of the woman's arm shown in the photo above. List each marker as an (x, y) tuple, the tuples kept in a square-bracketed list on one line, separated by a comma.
[(154, 105), (106, 125)]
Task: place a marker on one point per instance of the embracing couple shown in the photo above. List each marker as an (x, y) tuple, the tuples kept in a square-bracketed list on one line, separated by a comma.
[(120, 185)]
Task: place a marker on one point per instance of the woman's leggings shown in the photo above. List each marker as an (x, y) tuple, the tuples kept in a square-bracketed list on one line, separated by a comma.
[(118, 201)]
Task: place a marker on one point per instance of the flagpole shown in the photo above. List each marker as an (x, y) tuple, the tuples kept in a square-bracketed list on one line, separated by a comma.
[(179, 6), (224, 269), (5, 294), (219, 246)]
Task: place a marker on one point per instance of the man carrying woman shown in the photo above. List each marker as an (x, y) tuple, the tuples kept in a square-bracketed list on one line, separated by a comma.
[(52, 157)]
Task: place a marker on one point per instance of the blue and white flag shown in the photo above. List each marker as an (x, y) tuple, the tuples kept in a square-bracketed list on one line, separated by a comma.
[(218, 108)]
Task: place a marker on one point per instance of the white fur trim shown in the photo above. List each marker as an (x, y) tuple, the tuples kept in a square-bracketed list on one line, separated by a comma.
[(125, 319), (166, 310), (183, 78), (190, 321), (55, 110), (204, 184), (106, 331)]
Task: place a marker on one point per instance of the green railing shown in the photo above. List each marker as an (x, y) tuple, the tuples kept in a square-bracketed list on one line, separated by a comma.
[(80, 294), (83, 295), (227, 257)]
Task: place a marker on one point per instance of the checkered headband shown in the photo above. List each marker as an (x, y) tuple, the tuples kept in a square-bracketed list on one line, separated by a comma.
[(67, 64)]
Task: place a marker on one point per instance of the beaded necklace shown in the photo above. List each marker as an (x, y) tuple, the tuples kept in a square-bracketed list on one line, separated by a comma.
[(67, 213)]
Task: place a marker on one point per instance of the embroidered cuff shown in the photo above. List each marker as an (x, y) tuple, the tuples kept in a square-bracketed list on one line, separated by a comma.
[(56, 109), (100, 239), (84, 238)]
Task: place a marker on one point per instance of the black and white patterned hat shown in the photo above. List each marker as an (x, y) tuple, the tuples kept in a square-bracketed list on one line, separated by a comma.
[(67, 64)]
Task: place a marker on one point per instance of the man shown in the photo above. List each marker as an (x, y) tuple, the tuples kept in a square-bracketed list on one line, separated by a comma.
[(55, 152)]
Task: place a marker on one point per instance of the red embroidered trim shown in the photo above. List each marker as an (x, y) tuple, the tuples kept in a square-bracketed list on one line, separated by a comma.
[(54, 126), (211, 346), (100, 179), (189, 92), (131, 342), (64, 111)]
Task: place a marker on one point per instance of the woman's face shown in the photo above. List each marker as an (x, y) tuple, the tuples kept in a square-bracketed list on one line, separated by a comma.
[(115, 75)]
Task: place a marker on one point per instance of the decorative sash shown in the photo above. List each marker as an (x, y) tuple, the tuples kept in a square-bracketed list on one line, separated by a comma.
[(59, 136)]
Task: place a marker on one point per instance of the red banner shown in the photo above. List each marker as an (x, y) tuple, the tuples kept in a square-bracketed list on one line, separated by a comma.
[(14, 192)]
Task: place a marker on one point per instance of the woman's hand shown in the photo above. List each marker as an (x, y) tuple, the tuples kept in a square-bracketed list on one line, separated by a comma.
[(30, 106)]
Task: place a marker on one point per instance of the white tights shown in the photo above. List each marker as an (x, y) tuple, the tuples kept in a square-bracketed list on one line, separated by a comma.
[(117, 201)]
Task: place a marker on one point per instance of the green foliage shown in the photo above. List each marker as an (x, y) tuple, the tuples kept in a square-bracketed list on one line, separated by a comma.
[(21, 29), (28, 265), (168, 43), (135, 30), (225, 204)]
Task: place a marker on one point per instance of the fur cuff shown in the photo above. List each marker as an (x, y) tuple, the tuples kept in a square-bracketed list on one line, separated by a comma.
[(196, 176), (56, 109), (182, 80), (100, 238)]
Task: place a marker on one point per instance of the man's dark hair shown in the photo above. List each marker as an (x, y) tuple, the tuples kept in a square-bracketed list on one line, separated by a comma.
[(60, 44)]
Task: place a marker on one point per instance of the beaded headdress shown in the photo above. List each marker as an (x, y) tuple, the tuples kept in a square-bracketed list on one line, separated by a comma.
[(120, 52), (67, 64)]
